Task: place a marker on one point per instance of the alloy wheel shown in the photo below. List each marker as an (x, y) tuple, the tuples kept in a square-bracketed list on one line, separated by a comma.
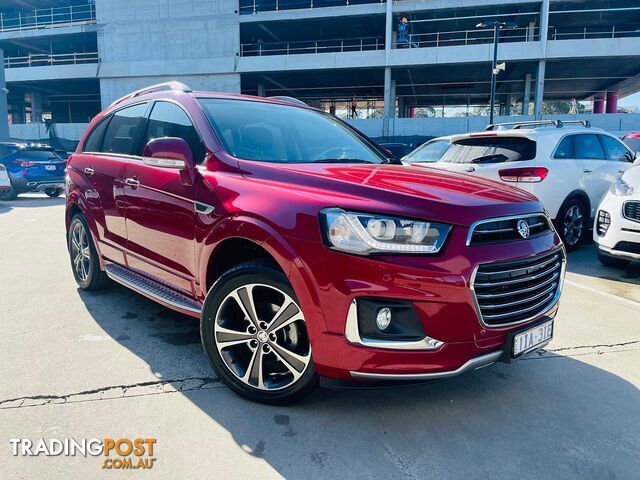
[(80, 251), (573, 225), (260, 333)]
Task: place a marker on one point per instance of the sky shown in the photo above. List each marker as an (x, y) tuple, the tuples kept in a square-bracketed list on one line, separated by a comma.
[(630, 101)]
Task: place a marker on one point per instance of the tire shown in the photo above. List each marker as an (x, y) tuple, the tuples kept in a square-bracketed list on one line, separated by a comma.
[(8, 195), (53, 192), (572, 223), (613, 262), (268, 356), (85, 266)]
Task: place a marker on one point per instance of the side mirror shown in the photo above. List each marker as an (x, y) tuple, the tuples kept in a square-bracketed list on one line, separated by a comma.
[(168, 152), (171, 152)]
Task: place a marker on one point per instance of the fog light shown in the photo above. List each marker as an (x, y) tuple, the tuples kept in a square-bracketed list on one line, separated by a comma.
[(383, 319), (603, 223)]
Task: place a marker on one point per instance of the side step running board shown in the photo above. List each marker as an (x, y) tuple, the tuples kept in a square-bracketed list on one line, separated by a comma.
[(150, 288)]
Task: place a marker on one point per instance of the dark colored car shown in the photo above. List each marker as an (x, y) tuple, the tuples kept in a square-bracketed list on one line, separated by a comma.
[(31, 168), (302, 249), (398, 150)]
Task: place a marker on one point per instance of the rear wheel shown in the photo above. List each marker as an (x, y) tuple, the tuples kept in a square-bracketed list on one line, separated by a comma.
[(53, 192), (8, 194), (571, 223), (255, 336), (613, 262), (84, 256)]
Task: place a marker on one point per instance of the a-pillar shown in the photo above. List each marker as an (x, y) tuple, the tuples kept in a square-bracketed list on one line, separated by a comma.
[(598, 105), (612, 102), (4, 109)]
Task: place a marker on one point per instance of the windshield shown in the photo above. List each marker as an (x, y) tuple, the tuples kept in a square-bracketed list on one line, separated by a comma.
[(633, 143), (275, 133), (490, 150), (429, 152)]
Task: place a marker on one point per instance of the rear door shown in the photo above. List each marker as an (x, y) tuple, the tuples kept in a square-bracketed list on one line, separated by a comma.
[(486, 154), (160, 209), (105, 157)]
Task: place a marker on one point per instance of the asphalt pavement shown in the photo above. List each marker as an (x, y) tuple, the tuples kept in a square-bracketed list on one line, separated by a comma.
[(114, 364)]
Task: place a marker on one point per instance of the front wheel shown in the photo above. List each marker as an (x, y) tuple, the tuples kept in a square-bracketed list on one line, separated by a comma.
[(255, 335), (84, 256), (571, 223), (53, 192)]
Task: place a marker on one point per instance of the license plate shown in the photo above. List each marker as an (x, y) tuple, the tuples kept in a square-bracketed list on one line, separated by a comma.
[(531, 339), (50, 168)]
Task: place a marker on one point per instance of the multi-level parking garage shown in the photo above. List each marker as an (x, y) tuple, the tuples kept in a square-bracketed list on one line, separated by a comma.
[(67, 58)]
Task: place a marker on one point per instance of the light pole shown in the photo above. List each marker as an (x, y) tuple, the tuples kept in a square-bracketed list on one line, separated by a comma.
[(497, 26)]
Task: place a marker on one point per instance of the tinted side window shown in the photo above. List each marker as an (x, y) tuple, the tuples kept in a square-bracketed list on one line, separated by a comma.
[(490, 150), (92, 144), (588, 147), (4, 151), (431, 152), (123, 129), (566, 148), (169, 120), (615, 149)]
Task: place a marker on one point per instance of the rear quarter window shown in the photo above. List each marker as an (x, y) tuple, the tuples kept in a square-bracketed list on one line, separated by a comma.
[(490, 150), (94, 140)]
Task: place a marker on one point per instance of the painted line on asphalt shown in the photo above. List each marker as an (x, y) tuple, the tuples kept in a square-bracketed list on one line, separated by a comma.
[(628, 301)]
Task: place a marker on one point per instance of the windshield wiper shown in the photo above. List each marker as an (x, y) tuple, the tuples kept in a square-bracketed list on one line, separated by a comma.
[(486, 158), (342, 160)]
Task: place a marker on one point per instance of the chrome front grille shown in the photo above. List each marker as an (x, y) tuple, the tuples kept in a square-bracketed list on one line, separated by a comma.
[(513, 292), (505, 229), (632, 210)]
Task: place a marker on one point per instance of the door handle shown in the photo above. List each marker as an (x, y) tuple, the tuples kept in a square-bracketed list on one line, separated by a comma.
[(88, 171), (586, 170), (132, 182)]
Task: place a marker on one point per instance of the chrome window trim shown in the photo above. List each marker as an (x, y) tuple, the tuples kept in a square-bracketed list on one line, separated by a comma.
[(624, 208), (353, 336), (476, 224), (553, 303)]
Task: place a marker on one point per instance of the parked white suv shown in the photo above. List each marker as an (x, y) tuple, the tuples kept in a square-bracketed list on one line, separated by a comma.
[(617, 225), (569, 166)]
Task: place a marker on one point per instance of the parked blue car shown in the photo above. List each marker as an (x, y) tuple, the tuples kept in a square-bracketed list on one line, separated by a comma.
[(31, 168)]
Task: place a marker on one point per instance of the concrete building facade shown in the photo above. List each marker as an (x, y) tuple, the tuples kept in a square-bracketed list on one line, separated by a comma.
[(426, 75)]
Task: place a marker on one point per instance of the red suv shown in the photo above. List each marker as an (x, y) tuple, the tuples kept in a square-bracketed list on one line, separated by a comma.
[(302, 248)]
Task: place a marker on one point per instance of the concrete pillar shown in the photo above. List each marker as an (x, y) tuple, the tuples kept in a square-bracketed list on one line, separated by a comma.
[(262, 92), (539, 96), (526, 97), (506, 109), (412, 112), (612, 102), (531, 32), (36, 107), (389, 106), (544, 25), (388, 32), (598, 105), (4, 109)]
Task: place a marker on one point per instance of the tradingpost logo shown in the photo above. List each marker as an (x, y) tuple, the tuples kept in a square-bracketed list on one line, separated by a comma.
[(119, 454)]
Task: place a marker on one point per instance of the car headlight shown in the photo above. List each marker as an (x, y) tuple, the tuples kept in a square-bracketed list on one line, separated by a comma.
[(621, 188), (364, 233)]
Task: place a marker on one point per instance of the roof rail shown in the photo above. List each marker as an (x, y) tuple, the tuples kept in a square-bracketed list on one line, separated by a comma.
[(284, 98), (177, 86), (538, 123)]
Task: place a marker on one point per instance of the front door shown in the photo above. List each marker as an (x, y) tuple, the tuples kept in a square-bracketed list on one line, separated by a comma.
[(160, 209)]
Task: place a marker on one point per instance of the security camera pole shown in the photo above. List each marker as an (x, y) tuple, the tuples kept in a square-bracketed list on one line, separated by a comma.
[(495, 68), (4, 109)]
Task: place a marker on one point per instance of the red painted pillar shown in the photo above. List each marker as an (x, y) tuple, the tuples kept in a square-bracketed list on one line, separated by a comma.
[(598, 105), (612, 102), (412, 112)]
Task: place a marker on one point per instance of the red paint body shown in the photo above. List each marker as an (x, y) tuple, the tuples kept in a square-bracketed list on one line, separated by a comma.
[(155, 229)]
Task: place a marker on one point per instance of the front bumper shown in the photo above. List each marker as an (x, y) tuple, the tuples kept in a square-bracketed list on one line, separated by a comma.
[(621, 231), (438, 287)]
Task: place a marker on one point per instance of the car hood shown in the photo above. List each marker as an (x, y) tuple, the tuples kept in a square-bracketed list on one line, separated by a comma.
[(632, 177), (395, 189)]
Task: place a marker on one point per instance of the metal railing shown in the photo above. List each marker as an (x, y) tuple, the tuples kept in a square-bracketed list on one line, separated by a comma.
[(586, 33), (44, 59), (48, 17), (248, 7), (312, 46), (466, 37)]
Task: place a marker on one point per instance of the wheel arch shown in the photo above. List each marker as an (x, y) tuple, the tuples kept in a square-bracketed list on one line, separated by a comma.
[(580, 194)]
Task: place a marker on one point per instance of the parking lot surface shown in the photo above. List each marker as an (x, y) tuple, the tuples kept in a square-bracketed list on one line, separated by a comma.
[(114, 364)]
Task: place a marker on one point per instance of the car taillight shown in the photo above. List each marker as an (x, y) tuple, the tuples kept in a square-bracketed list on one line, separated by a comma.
[(25, 164), (525, 175)]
